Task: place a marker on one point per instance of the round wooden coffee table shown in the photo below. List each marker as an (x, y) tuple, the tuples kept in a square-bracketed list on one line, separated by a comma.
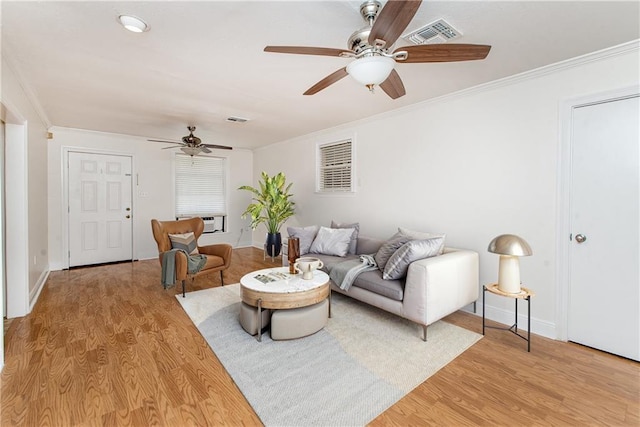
[(276, 289)]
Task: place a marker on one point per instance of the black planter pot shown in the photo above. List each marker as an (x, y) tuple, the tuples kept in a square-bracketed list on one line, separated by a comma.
[(274, 244)]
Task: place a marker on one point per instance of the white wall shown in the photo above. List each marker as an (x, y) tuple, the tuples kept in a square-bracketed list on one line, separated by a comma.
[(473, 165), (153, 188), (26, 173)]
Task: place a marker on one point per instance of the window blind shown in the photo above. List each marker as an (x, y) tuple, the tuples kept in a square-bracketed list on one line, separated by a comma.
[(200, 186), (334, 167)]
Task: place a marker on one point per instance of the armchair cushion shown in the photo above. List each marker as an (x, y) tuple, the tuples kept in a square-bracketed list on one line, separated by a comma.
[(185, 241)]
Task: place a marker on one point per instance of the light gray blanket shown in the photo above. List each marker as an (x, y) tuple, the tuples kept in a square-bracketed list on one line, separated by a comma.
[(344, 273), (194, 264)]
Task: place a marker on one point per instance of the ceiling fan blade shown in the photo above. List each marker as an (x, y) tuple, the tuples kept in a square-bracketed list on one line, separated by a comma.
[(218, 147), (204, 149), (393, 85), (444, 52), (174, 146), (393, 20), (327, 81), (304, 50), (159, 140)]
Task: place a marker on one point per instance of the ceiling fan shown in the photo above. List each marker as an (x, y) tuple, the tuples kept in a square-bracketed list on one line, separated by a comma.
[(370, 47), (191, 144)]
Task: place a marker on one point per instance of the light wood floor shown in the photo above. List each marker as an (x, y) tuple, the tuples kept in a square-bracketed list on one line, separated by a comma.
[(108, 346)]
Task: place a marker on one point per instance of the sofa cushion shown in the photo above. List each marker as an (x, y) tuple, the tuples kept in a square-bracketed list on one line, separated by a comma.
[(306, 236), (330, 260), (354, 237), (332, 241), (369, 280), (185, 241), (411, 251), (368, 245), (421, 235), (373, 281)]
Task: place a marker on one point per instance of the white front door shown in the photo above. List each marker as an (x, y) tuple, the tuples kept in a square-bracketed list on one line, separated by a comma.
[(100, 224), (604, 288)]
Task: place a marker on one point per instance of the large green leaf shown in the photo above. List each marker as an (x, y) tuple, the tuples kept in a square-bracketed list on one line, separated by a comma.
[(271, 203)]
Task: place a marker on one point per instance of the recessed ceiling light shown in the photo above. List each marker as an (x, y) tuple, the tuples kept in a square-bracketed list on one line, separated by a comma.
[(133, 23)]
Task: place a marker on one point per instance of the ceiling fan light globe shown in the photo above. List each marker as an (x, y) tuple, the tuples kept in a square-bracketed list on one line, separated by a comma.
[(371, 70), (192, 151)]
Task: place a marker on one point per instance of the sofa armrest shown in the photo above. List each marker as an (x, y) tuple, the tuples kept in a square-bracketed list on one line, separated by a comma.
[(438, 286)]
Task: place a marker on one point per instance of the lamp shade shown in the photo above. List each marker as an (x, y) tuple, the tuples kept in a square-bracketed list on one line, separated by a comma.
[(510, 247), (510, 244), (192, 151), (371, 70)]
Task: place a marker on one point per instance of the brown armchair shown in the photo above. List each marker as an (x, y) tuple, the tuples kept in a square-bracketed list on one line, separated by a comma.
[(218, 255)]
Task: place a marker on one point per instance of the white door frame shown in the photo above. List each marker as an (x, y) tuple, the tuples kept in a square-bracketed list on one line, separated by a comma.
[(563, 227), (65, 198), (16, 196)]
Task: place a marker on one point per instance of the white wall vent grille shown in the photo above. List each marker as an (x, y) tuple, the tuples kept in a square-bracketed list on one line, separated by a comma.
[(235, 119), (439, 31)]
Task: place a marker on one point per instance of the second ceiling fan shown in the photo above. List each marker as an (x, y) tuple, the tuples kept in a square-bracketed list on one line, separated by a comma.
[(191, 144), (370, 47)]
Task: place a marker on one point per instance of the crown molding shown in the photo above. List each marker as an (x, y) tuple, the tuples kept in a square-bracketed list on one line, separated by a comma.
[(600, 55), (12, 63)]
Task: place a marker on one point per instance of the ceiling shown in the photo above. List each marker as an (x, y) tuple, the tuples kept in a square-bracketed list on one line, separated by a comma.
[(203, 61)]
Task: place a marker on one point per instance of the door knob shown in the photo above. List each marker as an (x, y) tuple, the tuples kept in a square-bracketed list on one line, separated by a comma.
[(128, 216), (581, 238)]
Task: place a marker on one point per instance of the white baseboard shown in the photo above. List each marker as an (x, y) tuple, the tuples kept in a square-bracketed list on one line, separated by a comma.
[(35, 292), (56, 266), (507, 317)]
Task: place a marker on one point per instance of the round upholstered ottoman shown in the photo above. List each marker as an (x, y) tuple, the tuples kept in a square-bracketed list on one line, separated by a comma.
[(299, 322), (249, 318)]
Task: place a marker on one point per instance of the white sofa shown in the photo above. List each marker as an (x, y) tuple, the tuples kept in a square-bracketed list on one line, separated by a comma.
[(433, 288)]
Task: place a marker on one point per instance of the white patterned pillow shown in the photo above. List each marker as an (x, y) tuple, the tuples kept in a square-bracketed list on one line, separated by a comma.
[(306, 236), (185, 241), (332, 241), (411, 251)]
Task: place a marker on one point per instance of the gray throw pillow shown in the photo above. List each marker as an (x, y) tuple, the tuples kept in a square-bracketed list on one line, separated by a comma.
[(353, 245), (332, 241), (411, 251), (421, 235), (306, 236), (388, 248)]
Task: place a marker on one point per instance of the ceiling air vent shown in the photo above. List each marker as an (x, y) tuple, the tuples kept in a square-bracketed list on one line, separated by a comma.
[(237, 119), (439, 31)]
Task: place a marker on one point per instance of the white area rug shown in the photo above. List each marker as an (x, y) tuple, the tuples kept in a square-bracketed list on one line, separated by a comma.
[(363, 362)]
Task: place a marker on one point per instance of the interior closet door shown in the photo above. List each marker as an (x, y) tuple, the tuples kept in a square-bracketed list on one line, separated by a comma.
[(604, 289), (100, 215)]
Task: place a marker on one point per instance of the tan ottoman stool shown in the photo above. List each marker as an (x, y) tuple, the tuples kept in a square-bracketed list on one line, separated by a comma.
[(249, 318), (299, 322)]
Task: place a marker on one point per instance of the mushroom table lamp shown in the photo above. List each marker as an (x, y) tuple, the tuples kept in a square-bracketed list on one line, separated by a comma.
[(509, 247)]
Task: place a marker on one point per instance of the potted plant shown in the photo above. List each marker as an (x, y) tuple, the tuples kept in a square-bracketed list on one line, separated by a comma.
[(272, 206)]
